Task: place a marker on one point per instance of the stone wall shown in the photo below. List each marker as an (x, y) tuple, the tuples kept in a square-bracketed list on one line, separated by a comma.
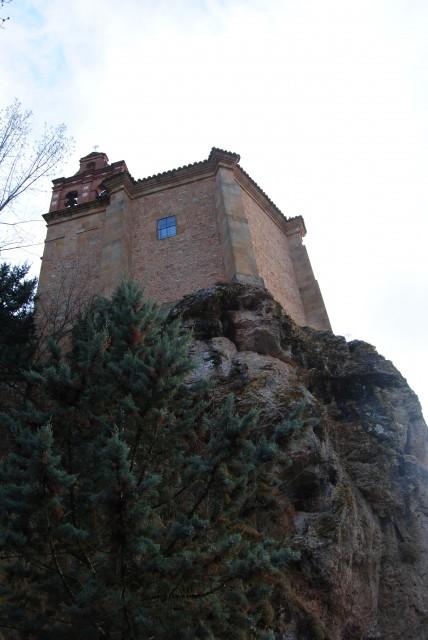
[(191, 260), (101, 247), (273, 258), (70, 271)]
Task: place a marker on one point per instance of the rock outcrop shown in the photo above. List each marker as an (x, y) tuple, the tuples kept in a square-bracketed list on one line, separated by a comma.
[(356, 493)]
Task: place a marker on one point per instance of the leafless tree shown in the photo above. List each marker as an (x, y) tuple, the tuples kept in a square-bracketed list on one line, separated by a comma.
[(23, 163), (64, 300), (3, 19)]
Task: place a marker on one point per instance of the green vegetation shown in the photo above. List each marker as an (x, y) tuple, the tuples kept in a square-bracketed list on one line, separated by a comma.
[(131, 507), (16, 325)]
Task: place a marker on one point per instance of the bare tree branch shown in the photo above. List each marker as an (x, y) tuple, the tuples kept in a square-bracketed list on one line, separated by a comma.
[(19, 246), (4, 19), (15, 224), (62, 302), (22, 163)]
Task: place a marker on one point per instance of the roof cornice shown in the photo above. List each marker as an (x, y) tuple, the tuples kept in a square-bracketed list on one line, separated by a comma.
[(205, 168), (68, 212), (257, 193), (182, 175), (187, 173), (119, 181)]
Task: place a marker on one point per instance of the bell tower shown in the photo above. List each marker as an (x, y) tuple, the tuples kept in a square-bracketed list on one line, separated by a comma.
[(85, 185), (174, 233)]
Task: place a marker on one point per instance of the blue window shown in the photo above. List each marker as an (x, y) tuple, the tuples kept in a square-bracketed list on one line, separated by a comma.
[(167, 227)]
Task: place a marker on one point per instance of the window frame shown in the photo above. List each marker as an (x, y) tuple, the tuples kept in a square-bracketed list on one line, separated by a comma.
[(166, 227)]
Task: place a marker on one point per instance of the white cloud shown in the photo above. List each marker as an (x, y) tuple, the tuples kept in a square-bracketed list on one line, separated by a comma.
[(325, 101)]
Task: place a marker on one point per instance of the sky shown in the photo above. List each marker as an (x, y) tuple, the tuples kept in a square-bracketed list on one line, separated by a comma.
[(325, 101)]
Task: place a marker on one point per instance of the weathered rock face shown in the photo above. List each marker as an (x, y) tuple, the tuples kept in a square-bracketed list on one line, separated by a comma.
[(357, 488)]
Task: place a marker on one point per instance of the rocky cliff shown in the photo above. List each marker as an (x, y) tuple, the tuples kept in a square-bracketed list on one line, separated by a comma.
[(356, 490)]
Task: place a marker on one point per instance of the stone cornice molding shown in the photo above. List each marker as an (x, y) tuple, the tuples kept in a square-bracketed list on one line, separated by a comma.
[(262, 199), (295, 225), (187, 173), (206, 168), (119, 181), (76, 211), (183, 175)]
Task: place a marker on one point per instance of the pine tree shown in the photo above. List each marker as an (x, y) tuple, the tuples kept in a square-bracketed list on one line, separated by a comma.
[(16, 325), (131, 506)]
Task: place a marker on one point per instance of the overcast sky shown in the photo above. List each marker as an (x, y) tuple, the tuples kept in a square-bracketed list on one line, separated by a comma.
[(325, 101)]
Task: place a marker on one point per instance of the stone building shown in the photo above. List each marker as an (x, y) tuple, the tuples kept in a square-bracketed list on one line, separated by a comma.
[(176, 232)]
